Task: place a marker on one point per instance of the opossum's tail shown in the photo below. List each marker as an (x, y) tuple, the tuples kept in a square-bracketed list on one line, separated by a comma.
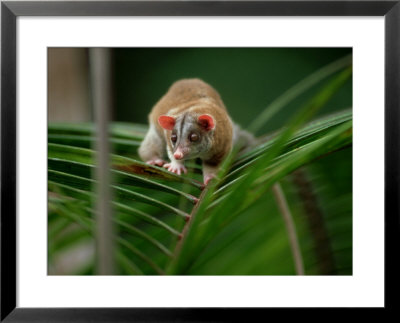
[(243, 139)]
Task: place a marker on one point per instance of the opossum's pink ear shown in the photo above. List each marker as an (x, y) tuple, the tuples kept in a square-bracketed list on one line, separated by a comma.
[(166, 122), (206, 121)]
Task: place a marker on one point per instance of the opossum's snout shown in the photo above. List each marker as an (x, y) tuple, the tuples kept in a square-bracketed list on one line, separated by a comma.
[(180, 153)]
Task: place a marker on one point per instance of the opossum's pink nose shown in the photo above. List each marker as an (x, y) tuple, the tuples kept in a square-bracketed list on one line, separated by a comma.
[(178, 154)]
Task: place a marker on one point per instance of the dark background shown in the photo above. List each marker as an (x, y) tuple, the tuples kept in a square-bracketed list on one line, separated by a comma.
[(248, 79)]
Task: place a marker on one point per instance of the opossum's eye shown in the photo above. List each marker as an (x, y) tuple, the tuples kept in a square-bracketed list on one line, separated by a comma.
[(194, 137), (174, 138)]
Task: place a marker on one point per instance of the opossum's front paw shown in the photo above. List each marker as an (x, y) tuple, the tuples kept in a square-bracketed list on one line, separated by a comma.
[(156, 162), (175, 167), (208, 178)]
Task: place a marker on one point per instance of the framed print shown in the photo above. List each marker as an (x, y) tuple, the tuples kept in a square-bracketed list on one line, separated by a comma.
[(197, 160)]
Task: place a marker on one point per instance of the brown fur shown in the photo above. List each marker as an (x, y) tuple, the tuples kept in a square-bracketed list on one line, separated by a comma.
[(200, 98)]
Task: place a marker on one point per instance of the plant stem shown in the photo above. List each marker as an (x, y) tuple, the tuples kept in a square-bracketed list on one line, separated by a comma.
[(190, 220), (316, 222), (290, 227), (101, 93)]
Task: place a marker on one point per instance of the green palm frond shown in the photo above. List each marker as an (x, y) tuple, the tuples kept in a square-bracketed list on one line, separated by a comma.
[(170, 224)]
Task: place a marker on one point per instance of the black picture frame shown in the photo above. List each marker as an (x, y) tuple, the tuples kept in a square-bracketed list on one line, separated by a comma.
[(10, 10)]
